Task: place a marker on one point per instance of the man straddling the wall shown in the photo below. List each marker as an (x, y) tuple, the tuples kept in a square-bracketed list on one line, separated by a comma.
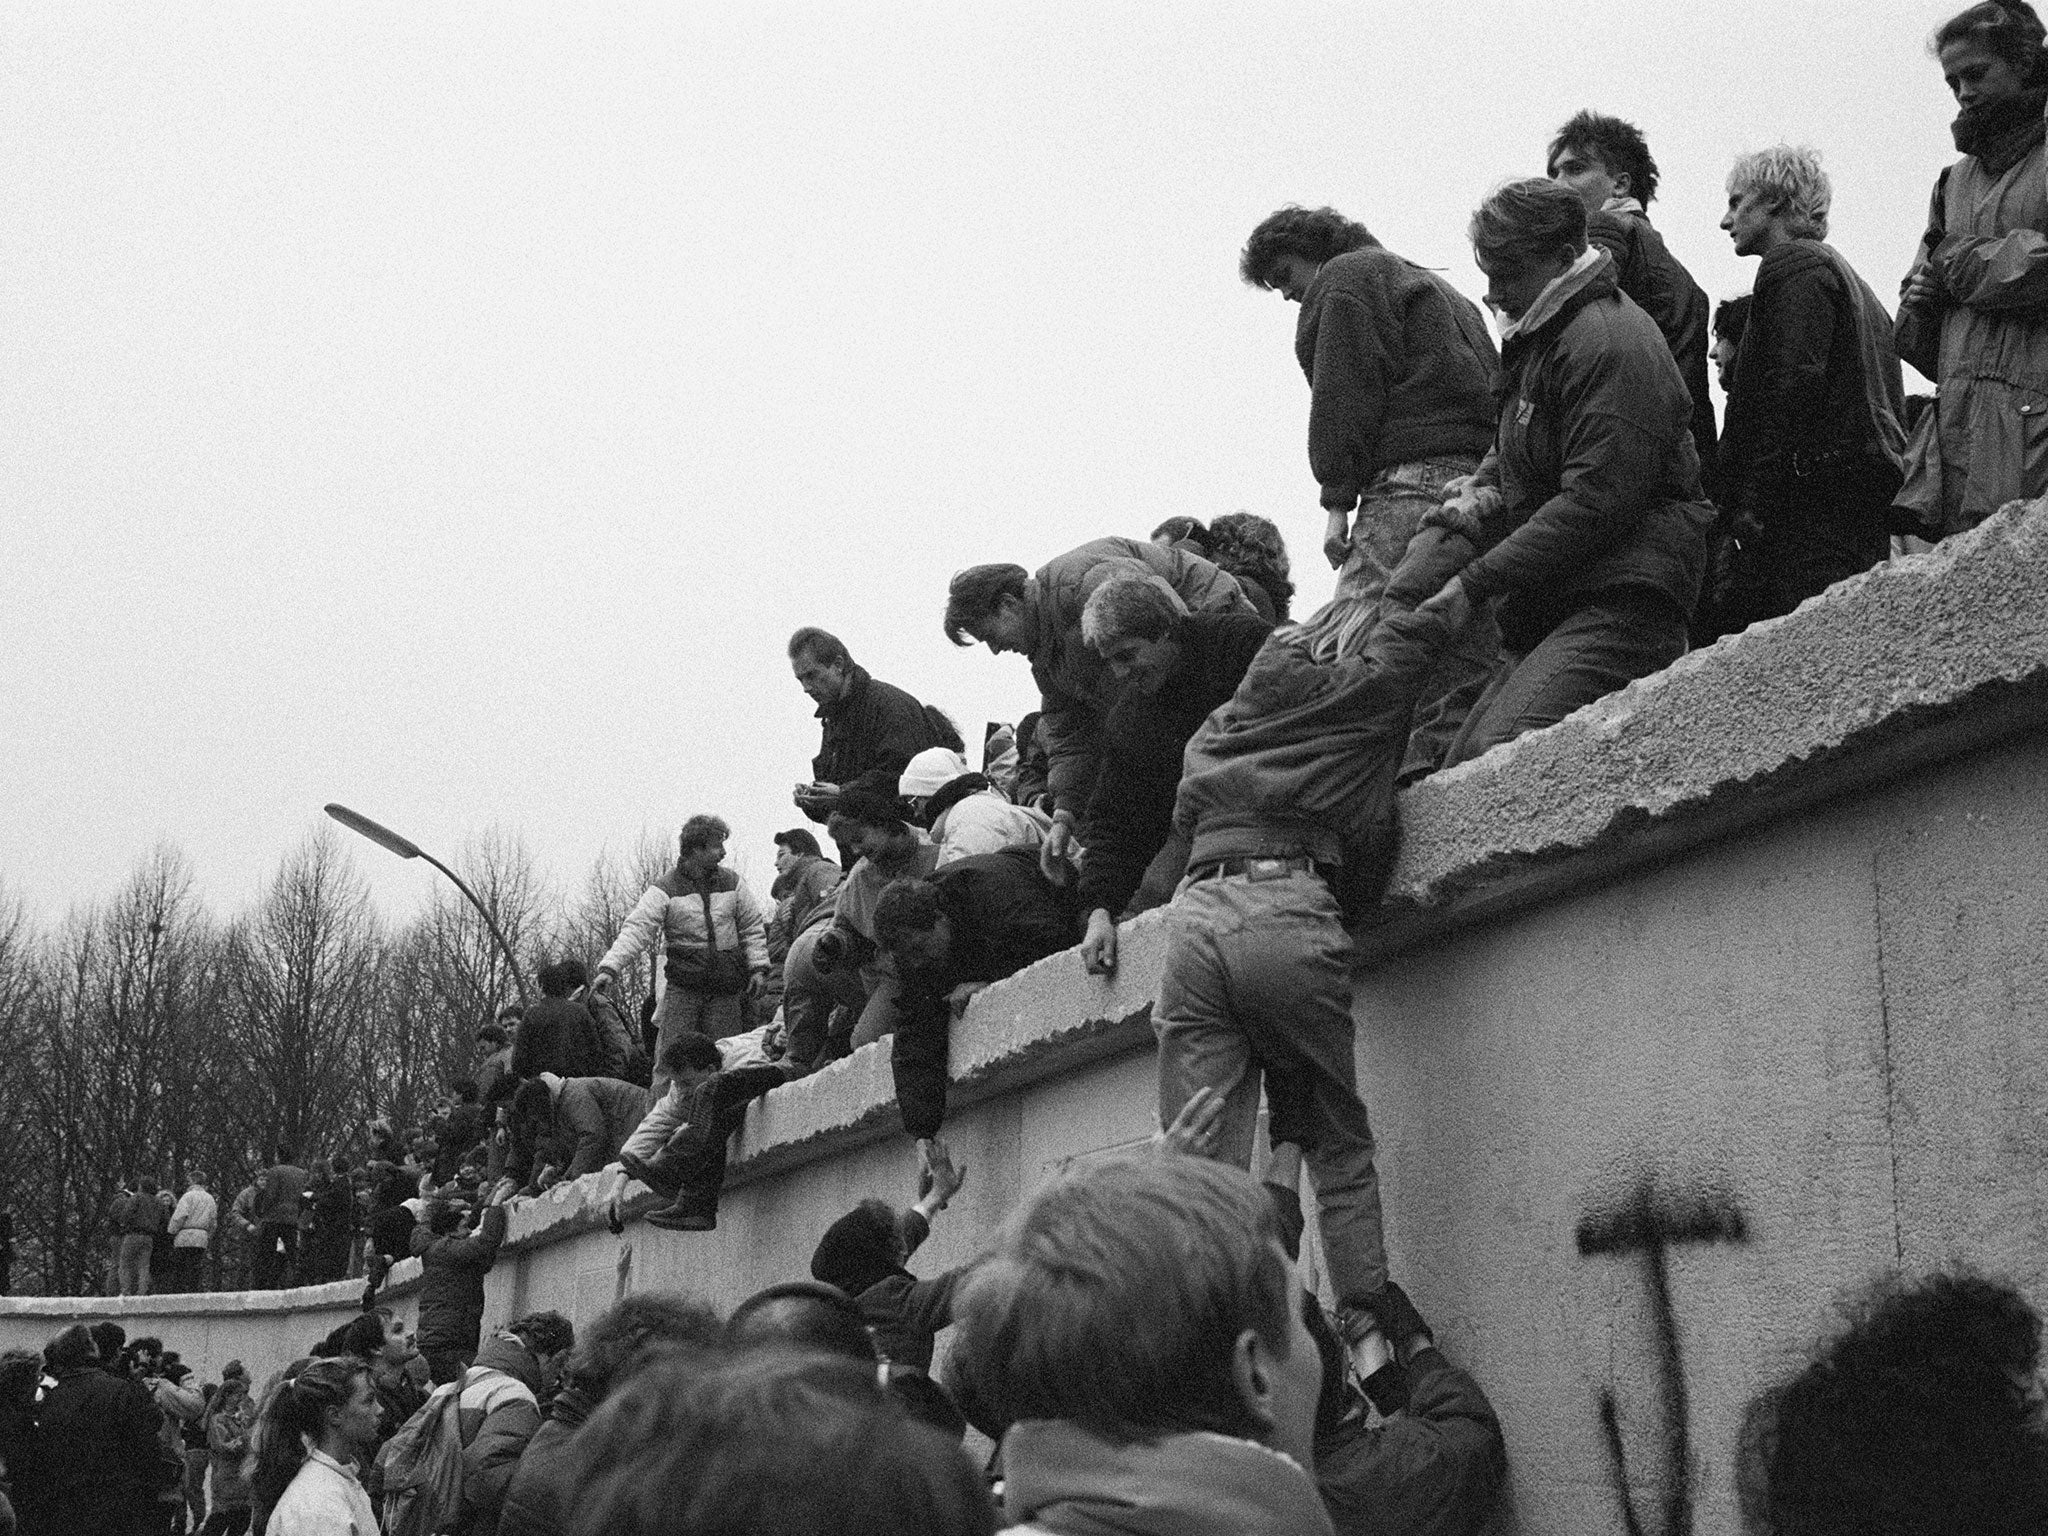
[(948, 936), (191, 1228), (1007, 608), (1287, 800), (713, 933), (867, 726), (679, 1149), (1175, 667)]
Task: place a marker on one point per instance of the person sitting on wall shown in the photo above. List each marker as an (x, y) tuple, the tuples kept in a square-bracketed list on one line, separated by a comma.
[(1007, 608), (1922, 1417), (1175, 667), (1137, 1337), (947, 937), (962, 811), (864, 1254), (679, 1149)]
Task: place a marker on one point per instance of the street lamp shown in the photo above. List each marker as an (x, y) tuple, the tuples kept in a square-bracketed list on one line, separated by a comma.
[(405, 848)]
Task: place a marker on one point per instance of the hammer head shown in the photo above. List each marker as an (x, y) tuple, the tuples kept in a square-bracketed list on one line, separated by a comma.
[(1660, 1218)]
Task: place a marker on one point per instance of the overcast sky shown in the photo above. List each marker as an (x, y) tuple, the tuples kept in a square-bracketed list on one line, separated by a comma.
[(451, 409)]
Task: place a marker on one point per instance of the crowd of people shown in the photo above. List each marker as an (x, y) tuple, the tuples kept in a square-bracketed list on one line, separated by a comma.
[(1518, 531)]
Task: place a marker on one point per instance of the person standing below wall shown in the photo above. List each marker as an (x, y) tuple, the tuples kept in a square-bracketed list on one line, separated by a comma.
[(1812, 452), (1588, 513), (97, 1450), (228, 1421), (1973, 313), (1401, 374), (713, 934), (1607, 162), (191, 1228), (312, 1432), (452, 1269)]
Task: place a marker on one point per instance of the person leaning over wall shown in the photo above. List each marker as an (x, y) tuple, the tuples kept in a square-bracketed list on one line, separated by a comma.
[(1973, 311), (963, 812), (1588, 512), (1811, 455)]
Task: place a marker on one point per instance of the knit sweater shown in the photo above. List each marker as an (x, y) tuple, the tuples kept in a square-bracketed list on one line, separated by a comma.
[(1400, 365)]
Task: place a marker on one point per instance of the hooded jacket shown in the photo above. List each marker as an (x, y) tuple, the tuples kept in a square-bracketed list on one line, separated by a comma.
[(1130, 814), (1598, 478), (1058, 1478), (452, 1271), (1399, 366), (1985, 441), (876, 725), (1648, 273), (1816, 374), (904, 1314), (1074, 684)]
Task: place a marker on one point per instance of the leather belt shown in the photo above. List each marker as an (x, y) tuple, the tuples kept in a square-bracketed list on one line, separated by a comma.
[(1252, 869)]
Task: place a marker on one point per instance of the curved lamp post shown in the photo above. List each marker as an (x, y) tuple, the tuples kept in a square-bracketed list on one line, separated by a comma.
[(405, 848)]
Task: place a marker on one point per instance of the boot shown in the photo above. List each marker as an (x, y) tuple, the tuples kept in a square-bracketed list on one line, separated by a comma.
[(686, 1215), (662, 1173)]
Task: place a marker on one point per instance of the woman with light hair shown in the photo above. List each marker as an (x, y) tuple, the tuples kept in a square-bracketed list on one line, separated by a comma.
[(1588, 512), (1973, 315), (1810, 460)]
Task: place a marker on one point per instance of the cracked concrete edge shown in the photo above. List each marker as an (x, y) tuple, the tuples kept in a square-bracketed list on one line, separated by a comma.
[(1913, 660)]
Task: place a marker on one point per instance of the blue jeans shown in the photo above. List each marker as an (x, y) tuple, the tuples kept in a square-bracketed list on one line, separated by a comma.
[(1258, 979)]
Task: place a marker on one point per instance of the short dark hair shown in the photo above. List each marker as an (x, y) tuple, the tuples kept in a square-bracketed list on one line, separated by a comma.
[(2008, 29), (799, 841), (806, 1312), (770, 1442), (363, 1334), (1618, 145), (1313, 234), (1523, 221), (443, 1217), (639, 1326), (905, 906), (823, 647), (563, 977), (72, 1348), (871, 800), (1731, 317), (490, 1034), (699, 1053), (701, 831), (1252, 549), (974, 594), (531, 1101), (545, 1333), (1183, 530), (110, 1338), (1909, 1420)]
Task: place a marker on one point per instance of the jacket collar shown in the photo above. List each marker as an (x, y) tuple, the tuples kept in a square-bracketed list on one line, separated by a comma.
[(846, 701), (1562, 289), (1059, 1476)]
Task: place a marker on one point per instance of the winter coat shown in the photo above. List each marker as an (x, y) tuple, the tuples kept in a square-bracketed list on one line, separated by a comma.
[(672, 915), (227, 1443), (1598, 479), (139, 1214), (494, 1079), (97, 1454), (1399, 365), (1075, 685), (558, 1035), (1816, 384), (193, 1220), (452, 1271), (324, 1498), (875, 726), (537, 1502), (904, 1314), (1648, 273), (1060, 1478), (498, 1412), (984, 822), (853, 913), (797, 893), (1130, 814), (1985, 441), (280, 1195), (1301, 761), (1436, 1470), (1004, 915), (593, 1118)]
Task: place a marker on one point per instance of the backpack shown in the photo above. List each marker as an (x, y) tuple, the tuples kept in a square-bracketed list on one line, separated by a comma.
[(421, 1467)]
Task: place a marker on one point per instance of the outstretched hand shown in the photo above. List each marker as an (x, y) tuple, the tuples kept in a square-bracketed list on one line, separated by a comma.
[(1193, 1132), (938, 1178)]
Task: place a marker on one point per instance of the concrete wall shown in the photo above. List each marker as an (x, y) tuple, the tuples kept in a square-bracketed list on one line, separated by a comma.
[(1715, 999)]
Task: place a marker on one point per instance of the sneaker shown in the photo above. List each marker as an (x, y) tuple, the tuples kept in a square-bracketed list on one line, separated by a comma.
[(673, 1220)]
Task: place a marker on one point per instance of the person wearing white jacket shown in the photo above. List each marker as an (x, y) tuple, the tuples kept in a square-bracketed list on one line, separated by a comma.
[(964, 812), (713, 934), (191, 1227)]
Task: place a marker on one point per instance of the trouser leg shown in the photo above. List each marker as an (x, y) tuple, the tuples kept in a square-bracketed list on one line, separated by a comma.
[(676, 1015), (1591, 653), (661, 1121), (809, 996), (702, 1152), (878, 1015), (1201, 1044)]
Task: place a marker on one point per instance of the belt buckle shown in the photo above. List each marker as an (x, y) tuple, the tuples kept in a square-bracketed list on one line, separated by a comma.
[(1268, 869)]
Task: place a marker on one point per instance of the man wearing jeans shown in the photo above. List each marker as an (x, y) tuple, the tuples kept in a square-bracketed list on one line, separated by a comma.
[(1287, 798)]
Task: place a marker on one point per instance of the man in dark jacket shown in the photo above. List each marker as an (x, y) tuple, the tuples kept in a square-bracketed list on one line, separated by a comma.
[(867, 725), (864, 1254), (950, 934), (452, 1270), (1607, 162), (280, 1205), (99, 1458), (1176, 667), (558, 1034), (1815, 441), (1007, 608), (640, 1329)]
